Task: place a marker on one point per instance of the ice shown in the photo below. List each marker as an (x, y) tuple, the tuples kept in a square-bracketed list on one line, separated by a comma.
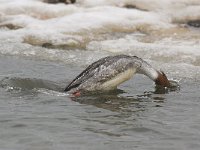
[(46, 19), (83, 32)]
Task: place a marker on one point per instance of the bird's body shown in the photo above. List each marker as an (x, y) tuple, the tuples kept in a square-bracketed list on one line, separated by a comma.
[(107, 73)]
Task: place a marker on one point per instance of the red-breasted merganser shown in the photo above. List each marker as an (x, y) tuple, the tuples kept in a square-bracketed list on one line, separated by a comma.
[(107, 73)]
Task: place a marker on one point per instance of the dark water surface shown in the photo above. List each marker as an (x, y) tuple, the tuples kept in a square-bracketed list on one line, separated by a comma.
[(36, 114)]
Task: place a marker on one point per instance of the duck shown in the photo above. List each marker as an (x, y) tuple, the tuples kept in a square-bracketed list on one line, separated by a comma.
[(107, 73)]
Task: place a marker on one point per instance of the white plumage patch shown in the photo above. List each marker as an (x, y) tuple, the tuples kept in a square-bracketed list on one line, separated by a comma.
[(120, 78)]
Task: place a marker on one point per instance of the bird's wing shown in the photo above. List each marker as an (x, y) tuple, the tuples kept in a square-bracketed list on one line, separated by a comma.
[(87, 73), (104, 69)]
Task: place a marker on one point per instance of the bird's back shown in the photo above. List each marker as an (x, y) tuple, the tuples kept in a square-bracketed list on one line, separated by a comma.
[(104, 70)]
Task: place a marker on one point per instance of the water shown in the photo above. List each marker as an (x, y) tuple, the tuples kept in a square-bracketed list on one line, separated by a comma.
[(44, 46)]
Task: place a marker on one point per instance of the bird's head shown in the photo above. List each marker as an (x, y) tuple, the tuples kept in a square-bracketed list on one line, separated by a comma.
[(162, 80)]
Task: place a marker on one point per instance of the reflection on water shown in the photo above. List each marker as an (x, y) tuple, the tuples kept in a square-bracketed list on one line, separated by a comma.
[(114, 100)]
